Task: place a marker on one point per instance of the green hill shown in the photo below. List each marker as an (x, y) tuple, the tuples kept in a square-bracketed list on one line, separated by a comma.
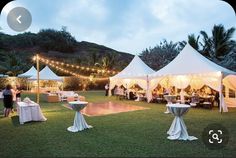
[(59, 46)]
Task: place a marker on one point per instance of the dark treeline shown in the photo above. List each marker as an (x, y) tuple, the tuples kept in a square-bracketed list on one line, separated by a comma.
[(16, 51), (219, 47)]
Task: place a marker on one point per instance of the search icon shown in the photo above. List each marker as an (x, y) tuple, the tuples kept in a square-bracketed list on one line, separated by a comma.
[(215, 136)]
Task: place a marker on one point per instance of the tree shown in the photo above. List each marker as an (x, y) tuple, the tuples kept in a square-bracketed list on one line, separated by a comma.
[(107, 61), (220, 43), (206, 44), (192, 40), (50, 39), (93, 58), (12, 64), (160, 55)]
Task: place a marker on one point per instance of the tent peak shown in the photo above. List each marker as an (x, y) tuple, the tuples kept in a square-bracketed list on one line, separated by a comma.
[(135, 69)]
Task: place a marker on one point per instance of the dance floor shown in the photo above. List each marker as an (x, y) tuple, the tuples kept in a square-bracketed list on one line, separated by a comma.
[(106, 108)]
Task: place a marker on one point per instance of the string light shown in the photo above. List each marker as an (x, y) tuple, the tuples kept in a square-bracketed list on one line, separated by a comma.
[(76, 66), (55, 64)]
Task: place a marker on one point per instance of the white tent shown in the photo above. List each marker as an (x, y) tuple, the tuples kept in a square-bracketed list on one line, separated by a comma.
[(135, 73), (46, 74), (2, 75), (31, 72), (191, 68)]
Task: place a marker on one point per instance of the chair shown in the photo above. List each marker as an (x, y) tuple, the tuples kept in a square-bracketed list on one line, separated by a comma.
[(194, 101), (207, 105)]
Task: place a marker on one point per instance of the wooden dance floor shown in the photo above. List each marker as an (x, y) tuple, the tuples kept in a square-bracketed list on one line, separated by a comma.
[(99, 109)]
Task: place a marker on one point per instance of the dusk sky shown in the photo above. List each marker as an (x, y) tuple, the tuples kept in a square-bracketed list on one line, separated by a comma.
[(126, 25)]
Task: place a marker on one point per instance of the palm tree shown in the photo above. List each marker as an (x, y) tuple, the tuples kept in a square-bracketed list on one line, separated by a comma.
[(206, 44), (107, 61), (221, 43), (12, 64), (181, 45), (193, 41)]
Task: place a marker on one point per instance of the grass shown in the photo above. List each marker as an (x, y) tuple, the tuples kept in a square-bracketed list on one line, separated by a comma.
[(130, 134)]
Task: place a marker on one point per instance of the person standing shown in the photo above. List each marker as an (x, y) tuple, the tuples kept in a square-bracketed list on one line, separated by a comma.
[(18, 93), (106, 89), (14, 92), (7, 100), (217, 98)]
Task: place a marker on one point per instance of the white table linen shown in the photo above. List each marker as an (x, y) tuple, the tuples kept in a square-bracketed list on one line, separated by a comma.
[(79, 121), (29, 112), (178, 130), (1, 96)]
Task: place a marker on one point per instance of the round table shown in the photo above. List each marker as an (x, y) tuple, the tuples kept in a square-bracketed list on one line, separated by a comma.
[(178, 130), (170, 99), (79, 121)]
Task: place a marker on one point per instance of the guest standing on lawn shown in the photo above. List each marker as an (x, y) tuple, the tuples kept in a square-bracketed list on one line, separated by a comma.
[(107, 89), (18, 93), (7, 100), (217, 98)]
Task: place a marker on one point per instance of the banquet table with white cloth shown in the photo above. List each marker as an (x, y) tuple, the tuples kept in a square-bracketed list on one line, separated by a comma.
[(178, 129), (29, 112), (79, 121)]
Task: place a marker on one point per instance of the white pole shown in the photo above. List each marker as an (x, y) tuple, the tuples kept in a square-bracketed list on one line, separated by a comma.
[(37, 61), (226, 92), (148, 93), (220, 93), (109, 91)]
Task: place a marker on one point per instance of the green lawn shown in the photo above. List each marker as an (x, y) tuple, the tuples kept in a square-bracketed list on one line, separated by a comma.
[(138, 133)]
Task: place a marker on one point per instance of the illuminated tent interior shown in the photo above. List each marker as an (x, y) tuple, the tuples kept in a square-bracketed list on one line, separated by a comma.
[(191, 68), (135, 73), (48, 79)]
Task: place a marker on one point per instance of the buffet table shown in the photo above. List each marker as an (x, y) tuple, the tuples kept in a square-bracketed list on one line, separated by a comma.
[(79, 121), (29, 112), (178, 130)]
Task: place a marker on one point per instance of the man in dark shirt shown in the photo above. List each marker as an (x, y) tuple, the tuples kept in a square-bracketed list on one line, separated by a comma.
[(217, 98)]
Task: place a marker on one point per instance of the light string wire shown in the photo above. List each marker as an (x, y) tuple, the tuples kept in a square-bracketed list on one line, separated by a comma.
[(55, 64), (77, 66)]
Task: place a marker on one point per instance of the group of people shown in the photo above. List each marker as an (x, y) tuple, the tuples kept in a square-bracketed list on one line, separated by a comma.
[(191, 93), (10, 95), (133, 93)]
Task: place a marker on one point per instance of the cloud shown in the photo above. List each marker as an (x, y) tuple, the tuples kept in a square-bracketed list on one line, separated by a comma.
[(130, 25)]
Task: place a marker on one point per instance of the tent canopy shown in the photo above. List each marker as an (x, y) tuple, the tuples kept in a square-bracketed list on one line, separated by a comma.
[(135, 73), (31, 72), (191, 68), (136, 69), (2, 75), (188, 62), (46, 74)]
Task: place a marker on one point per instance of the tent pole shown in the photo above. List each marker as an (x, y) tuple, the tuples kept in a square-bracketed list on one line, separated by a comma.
[(220, 94), (109, 91), (63, 83), (27, 85), (147, 91), (37, 62)]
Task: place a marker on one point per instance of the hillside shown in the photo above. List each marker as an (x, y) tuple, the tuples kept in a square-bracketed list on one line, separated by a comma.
[(60, 46)]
